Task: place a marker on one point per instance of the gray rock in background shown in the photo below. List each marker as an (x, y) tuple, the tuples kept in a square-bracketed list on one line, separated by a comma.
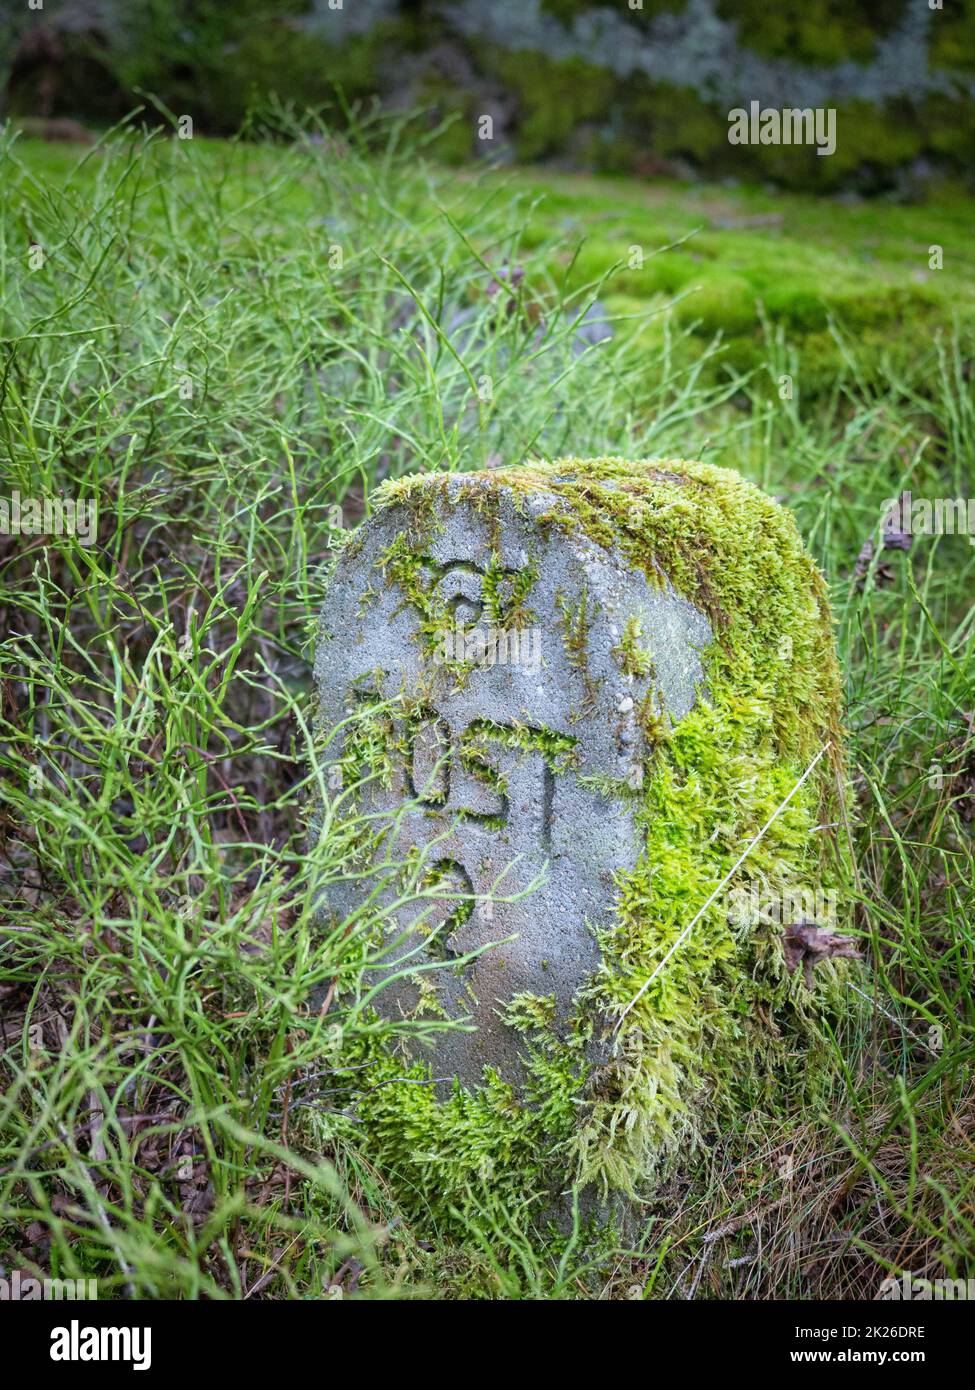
[(557, 835)]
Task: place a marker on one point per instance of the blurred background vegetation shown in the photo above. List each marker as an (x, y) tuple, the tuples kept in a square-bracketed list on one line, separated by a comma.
[(631, 86)]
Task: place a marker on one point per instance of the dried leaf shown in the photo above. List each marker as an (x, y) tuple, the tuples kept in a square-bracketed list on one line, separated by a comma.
[(806, 943)]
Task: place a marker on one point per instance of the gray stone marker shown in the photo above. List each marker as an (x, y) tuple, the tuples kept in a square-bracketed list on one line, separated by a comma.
[(509, 771)]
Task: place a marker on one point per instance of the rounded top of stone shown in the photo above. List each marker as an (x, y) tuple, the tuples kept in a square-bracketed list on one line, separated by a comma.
[(701, 485), (712, 536)]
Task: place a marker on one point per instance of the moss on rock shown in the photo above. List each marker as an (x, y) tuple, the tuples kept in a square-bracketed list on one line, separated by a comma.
[(704, 1023)]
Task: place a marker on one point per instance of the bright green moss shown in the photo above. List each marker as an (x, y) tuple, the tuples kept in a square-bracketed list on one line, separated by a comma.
[(634, 660), (720, 304), (722, 1026)]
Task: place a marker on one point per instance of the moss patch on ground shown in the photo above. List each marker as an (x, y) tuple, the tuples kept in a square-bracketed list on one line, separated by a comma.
[(743, 261)]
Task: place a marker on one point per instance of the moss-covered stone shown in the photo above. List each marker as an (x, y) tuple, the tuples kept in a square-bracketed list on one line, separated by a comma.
[(696, 1025)]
